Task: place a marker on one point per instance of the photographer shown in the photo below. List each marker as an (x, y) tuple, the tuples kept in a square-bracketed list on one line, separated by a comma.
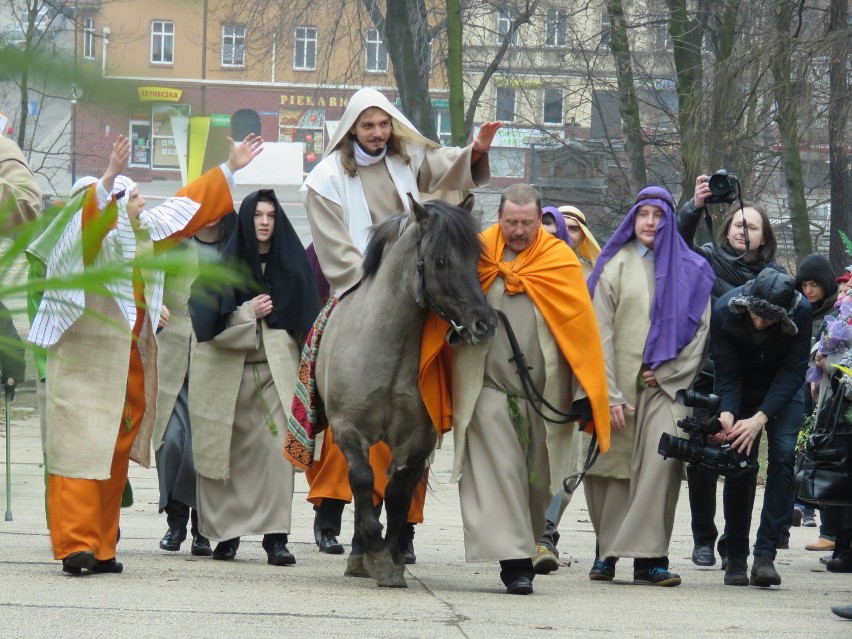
[(735, 261), (760, 340)]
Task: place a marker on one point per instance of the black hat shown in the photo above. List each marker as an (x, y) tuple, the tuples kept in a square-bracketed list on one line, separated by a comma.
[(817, 268), (772, 296)]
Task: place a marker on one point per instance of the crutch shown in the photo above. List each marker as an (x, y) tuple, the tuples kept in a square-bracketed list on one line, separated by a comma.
[(10, 382)]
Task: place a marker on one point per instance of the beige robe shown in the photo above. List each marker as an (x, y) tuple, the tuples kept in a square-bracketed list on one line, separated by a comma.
[(503, 507), (443, 169), (85, 391), (244, 483), (174, 342), (633, 492)]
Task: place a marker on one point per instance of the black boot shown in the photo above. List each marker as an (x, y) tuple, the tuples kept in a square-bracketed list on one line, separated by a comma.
[(517, 575), (226, 550), (329, 514), (200, 544), (277, 554), (406, 543)]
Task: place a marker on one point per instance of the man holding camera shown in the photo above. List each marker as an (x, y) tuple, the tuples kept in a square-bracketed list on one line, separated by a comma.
[(760, 341)]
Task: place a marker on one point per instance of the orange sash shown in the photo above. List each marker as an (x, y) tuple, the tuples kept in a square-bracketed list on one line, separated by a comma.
[(550, 274)]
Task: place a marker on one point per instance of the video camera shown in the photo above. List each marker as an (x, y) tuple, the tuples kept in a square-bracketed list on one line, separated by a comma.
[(724, 188), (695, 450)]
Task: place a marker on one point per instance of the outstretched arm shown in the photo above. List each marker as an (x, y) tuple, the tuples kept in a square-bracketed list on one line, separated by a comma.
[(117, 162), (241, 156), (483, 140)]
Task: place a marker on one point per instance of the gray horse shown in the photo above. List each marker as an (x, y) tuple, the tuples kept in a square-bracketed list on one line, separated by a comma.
[(368, 365)]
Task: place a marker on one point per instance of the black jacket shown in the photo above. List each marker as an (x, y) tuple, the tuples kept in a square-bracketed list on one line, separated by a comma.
[(753, 377)]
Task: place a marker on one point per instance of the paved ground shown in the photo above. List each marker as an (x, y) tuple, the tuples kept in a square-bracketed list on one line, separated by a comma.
[(167, 594)]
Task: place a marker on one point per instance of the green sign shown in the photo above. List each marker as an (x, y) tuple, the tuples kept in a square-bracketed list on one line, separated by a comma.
[(220, 119)]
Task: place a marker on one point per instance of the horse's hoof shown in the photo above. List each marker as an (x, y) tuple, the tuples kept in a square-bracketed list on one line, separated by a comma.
[(395, 580), (380, 566), (355, 567)]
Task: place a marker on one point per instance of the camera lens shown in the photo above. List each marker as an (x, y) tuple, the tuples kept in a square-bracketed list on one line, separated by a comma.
[(719, 184)]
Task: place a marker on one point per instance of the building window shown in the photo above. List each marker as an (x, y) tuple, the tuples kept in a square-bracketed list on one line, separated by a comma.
[(556, 28), (443, 126), (162, 42), (505, 104), (233, 45), (552, 108), (305, 53), (606, 30), (89, 38), (377, 55), (661, 39), (504, 23)]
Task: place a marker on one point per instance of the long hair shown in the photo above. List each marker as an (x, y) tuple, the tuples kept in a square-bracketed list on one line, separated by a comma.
[(396, 146), (766, 253)]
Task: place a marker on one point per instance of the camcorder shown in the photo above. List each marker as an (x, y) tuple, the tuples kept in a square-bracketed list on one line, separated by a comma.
[(724, 188), (696, 451)]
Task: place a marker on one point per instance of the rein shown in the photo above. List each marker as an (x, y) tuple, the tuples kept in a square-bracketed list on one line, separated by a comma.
[(423, 293), (535, 396)]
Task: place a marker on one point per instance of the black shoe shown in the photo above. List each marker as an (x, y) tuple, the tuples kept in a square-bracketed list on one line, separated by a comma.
[(74, 563), (842, 611), (328, 543), (201, 546), (724, 565), (107, 566), (656, 576), (736, 572), (172, 540), (841, 563), (519, 586), (703, 556), (226, 550), (763, 573), (406, 545), (278, 555), (603, 570)]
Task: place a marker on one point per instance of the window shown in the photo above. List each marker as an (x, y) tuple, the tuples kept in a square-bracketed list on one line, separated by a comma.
[(661, 39), (377, 55), (89, 38), (504, 23), (505, 104), (552, 110), (555, 28), (305, 52), (443, 126), (233, 45), (606, 30), (162, 42)]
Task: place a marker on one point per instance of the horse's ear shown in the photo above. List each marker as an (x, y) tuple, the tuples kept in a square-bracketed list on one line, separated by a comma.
[(467, 203), (419, 210)]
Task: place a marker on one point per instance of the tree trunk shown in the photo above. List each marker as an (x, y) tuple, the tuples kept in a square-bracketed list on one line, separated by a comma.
[(787, 119), (686, 41), (401, 43), (634, 140), (838, 109), (455, 73)]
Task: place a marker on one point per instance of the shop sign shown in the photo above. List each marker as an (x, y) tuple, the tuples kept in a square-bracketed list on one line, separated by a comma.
[(159, 94), (220, 119)]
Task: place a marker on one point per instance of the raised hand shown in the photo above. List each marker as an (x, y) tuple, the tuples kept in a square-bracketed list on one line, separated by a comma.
[(117, 161), (485, 136), (241, 156)]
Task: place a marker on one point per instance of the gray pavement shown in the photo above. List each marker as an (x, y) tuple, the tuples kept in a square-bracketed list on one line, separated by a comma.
[(175, 594)]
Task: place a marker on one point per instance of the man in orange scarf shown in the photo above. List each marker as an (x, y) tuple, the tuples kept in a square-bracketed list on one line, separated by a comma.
[(501, 460)]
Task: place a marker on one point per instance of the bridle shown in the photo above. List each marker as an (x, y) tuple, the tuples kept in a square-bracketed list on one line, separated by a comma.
[(423, 293)]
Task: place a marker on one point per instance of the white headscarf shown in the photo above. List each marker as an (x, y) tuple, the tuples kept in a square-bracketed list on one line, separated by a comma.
[(331, 181)]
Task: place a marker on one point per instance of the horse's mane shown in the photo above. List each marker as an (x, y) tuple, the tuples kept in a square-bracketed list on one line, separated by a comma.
[(448, 226)]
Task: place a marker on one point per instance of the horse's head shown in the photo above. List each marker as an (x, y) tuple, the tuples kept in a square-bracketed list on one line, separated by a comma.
[(448, 248)]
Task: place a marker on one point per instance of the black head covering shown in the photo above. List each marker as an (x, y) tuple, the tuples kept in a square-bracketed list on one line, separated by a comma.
[(818, 269), (287, 279), (772, 296)]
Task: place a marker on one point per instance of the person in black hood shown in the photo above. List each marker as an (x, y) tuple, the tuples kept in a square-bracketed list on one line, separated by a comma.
[(241, 386), (760, 336), (745, 245), (815, 280)]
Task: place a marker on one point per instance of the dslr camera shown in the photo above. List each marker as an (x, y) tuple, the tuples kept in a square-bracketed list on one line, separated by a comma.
[(724, 188), (722, 460)]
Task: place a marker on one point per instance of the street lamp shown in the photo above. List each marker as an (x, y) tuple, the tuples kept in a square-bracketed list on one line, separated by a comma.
[(75, 94)]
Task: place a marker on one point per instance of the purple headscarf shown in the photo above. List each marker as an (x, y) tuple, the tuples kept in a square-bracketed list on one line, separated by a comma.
[(683, 279), (561, 229)]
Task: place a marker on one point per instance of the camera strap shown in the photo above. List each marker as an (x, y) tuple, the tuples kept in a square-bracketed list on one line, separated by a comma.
[(534, 397)]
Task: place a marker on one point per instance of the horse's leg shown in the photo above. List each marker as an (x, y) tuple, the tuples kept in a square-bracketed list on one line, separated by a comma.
[(398, 494), (376, 560)]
